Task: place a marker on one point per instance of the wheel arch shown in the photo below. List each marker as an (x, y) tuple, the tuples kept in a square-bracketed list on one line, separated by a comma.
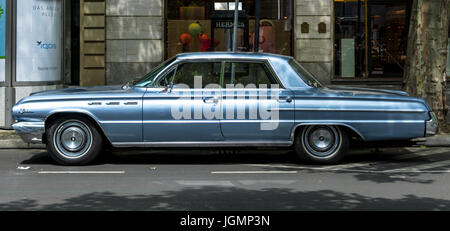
[(59, 114), (350, 130)]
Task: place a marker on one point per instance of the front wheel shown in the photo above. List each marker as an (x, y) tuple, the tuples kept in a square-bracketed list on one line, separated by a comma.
[(73, 141), (321, 144)]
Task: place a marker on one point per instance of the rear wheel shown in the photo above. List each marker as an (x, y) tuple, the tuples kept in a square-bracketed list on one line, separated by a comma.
[(321, 144), (73, 141)]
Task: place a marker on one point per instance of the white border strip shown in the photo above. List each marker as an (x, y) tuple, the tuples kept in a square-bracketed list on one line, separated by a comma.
[(255, 172), (81, 172)]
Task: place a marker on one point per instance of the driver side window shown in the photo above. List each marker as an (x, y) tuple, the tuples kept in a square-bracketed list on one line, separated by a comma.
[(188, 73)]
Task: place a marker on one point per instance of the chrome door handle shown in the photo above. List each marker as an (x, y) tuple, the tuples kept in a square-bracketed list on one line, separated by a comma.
[(285, 99), (213, 100)]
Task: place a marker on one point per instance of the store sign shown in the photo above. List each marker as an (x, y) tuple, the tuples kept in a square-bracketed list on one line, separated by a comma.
[(2, 40), (39, 48), (228, 24)]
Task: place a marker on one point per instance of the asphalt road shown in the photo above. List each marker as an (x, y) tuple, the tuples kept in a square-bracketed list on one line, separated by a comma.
[(387, 179)]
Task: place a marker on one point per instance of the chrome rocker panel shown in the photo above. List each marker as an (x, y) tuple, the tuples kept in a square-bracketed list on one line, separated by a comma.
[(204, 144)]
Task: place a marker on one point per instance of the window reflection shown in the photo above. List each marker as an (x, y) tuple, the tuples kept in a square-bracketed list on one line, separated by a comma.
[(190, 27)]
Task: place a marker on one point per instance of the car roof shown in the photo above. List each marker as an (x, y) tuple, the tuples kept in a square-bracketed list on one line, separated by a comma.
[(287, 76), (231, 55)]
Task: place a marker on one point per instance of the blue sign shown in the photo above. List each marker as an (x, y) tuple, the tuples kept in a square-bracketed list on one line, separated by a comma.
[(2, 29)]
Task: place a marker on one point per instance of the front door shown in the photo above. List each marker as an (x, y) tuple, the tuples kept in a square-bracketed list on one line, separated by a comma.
[(187, 111)]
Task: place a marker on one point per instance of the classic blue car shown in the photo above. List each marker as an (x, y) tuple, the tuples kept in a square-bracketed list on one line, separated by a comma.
[(220, 100)]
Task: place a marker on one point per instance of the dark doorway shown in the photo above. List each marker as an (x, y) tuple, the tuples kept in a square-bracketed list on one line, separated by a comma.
[(75, 42)]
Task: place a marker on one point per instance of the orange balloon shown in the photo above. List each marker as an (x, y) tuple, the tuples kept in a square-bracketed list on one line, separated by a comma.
[(202, 37), (185, 38)]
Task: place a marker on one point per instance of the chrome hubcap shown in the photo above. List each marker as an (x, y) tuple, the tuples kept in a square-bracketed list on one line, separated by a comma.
[(73, 139), (321, 141)]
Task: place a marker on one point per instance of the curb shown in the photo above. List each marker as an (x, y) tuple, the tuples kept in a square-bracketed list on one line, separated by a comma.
[(438, 141)]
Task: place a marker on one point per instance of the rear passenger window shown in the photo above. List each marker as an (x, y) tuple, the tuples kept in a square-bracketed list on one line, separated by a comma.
[(248, 74)]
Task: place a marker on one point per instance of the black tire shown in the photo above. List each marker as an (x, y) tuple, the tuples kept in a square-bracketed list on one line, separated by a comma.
[(79, 130), (321, 144)]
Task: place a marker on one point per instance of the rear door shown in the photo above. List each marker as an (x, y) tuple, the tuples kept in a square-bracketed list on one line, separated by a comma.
[(255, 105)]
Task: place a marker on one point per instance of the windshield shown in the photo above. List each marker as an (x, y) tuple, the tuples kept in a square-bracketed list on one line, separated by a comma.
[(147, 80), (307, 77)]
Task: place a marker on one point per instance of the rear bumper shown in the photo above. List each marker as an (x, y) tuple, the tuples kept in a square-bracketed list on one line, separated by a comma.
[(30, 132), (431, 126)]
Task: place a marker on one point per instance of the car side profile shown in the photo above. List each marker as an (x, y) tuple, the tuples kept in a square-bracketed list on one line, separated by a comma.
[(220, 99)]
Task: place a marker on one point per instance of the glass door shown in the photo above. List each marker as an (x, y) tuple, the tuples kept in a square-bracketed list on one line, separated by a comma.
[(388, 25), (350, 41)]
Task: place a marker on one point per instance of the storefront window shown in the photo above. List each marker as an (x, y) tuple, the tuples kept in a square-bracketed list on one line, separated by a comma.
[(39, 41), (382, 53), (207, 25)]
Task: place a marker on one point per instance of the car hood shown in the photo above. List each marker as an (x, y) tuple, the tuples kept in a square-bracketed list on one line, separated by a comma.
[(79, 90), (85, 93)]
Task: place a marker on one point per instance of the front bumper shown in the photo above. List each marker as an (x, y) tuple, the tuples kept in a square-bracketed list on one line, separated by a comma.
[(431, 126), (30, 132)]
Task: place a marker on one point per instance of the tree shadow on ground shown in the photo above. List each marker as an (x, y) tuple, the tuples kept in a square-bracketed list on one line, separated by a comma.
[(232, 199)]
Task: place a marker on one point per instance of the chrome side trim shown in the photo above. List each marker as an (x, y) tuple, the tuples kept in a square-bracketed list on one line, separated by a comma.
[(30, 132), (255, 121), (339, 122), (193, 121), (350, 110), (204, 144)]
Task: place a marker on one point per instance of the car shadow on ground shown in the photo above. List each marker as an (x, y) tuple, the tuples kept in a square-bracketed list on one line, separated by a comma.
[(203, 156), (214, 156)]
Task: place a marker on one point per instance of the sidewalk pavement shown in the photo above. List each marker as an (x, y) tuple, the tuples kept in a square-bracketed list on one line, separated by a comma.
[(10, 140)]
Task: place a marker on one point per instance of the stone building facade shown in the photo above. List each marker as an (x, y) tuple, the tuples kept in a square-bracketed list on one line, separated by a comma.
[(109, 42)]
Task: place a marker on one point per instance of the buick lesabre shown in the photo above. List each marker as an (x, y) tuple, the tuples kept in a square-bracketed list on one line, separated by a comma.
[(220, 100)]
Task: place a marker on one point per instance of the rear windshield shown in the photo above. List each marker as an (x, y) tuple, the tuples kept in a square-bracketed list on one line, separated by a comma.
[(307, 77)]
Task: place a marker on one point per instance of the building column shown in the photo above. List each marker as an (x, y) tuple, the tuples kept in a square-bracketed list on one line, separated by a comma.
[(314, 37), (134, 38), (92, 42)]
